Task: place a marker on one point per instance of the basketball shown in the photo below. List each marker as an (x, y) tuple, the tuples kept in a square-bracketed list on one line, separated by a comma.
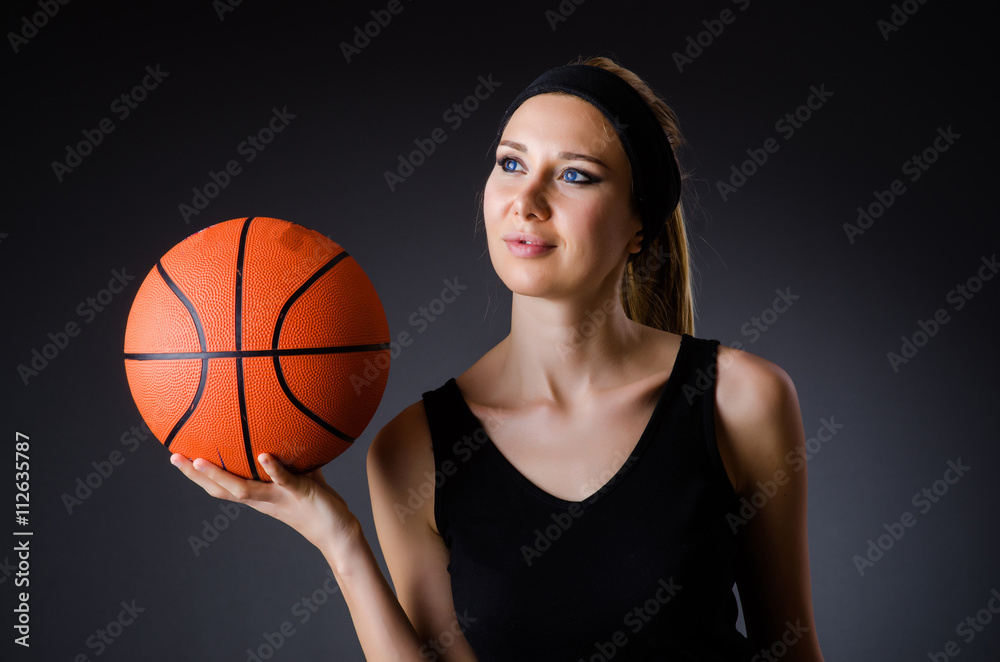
[(257, 335)]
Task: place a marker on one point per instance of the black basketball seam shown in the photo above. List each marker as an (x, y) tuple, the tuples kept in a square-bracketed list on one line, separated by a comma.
[(187, 304), (240, 389), (244, 423), (240, 255), (316, 418), (201, 342), (255, 353), (301, 407), (330, 264)]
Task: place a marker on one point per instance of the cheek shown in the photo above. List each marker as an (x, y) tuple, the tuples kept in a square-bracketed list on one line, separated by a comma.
[(492, 200), (607, 229), (601, 223)]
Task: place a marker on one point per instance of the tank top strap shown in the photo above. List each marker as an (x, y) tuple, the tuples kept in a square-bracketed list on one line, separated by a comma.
[(441, 419), (453, 435), (697, 393), (450, 422)]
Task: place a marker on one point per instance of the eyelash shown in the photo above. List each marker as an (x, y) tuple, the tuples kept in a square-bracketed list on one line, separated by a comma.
[(590, 178)]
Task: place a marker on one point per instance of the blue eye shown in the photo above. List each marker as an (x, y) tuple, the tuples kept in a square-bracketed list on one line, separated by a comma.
[(507, 164), (574, 176)]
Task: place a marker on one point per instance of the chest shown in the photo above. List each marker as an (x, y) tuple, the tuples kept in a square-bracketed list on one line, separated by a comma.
[(541, 576), (571, 454)]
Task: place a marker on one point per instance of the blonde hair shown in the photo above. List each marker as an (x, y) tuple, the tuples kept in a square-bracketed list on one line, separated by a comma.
[(656, 285)]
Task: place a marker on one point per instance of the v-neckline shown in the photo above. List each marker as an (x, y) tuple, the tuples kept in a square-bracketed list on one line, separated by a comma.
[(633, 458)]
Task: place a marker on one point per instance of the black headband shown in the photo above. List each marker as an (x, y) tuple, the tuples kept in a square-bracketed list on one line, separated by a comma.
[(656, 178)]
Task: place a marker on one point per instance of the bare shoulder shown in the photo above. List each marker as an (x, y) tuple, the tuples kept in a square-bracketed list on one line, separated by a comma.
[(403, 431), (399, 458), (748, 383), (402, 448), (758, 421)]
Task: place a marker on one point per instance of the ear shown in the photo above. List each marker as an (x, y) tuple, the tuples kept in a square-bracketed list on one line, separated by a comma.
[(635, 243)]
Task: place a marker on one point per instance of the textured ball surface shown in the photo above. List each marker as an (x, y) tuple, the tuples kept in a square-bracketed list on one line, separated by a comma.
[(257, 335)]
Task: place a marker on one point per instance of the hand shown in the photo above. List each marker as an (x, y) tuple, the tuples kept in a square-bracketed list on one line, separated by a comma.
[(304, 502)]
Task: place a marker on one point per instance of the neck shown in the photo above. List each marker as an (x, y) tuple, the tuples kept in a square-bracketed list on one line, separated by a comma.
[(559, 349)]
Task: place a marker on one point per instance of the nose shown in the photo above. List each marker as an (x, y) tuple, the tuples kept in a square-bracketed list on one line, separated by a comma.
[(531, 199)]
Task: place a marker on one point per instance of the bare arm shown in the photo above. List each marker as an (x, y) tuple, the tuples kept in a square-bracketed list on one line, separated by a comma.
[(314, 509), (758, 424), (401, 465)]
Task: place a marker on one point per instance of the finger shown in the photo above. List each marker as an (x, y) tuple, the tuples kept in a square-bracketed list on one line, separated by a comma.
[(278, 474), (199, 478), (241, 489)]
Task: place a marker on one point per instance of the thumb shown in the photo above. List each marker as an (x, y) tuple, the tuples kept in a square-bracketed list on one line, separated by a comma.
[(278, 474)]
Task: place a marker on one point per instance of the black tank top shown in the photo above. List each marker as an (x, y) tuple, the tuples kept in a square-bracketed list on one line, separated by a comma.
[(643, 569)]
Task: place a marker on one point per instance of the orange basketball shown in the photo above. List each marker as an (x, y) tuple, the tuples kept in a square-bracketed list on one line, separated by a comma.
[(257, 335)]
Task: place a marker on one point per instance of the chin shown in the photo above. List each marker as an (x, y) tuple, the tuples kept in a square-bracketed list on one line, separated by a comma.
[(518, 274), (527, 289), (528, 277)]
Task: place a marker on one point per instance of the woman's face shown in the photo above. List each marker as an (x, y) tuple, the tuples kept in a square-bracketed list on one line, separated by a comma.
[(562, 180)]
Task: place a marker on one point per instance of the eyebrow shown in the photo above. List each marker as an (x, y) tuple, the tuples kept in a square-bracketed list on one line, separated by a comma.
[(572, 156)]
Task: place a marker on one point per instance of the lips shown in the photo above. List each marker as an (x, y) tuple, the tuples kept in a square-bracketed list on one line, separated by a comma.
[(525, 245), (525, 238)]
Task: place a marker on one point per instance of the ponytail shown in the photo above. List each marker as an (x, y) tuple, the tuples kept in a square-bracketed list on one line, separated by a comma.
[(656, 285)]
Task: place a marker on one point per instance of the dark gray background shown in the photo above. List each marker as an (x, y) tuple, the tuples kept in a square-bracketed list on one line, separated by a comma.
[(130, 539)]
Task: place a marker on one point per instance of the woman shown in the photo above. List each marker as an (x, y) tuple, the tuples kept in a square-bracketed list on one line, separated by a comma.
[(588, 471)]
